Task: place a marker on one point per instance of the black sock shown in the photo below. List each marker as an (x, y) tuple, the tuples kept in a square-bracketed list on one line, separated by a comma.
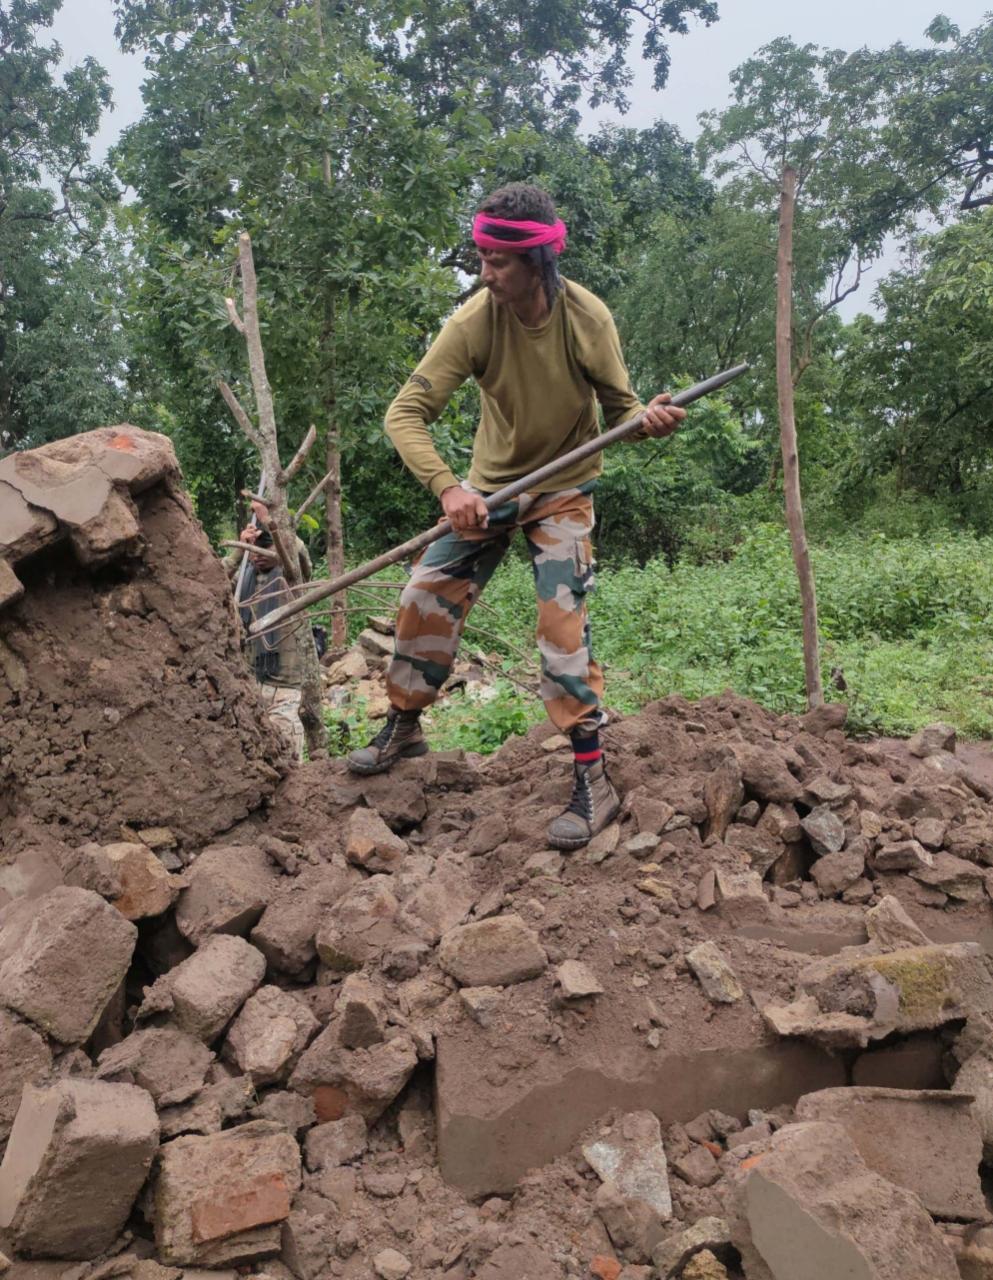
[(586, 747)]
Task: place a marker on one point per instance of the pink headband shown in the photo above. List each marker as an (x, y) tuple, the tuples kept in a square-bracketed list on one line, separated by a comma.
[(531, 234)]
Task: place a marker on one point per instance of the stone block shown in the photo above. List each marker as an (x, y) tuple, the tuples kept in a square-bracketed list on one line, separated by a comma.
[(714, 973), (360, 927), (441, 903), (353, 1081), (287, 930), (926, 1141), (825, 830), (269, 1034), (632, 1157), (835, 872), (336, 1142), (370, 844), (147, 888), (360, 1013), (220, 1200), (673, 1253), (169, 1063), (890, 927), (811, 1209), (496, 952), (62, 958), (576, 980), (78, 1155), (203, 994), (230, 886), (24, 1059)]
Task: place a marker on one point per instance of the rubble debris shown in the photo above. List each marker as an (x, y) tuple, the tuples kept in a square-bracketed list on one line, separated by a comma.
[(890, 927), (492, 953), (370, 844), (78, 1154), (336, 1142), (203, 994), (924, 1140), (836, 872), (360, 926), (221, 1200), (825, 830), (673, 1253), (169, 1063), (269, 1034), (714, 973), (391, 1265), (576, 980), (933, 739), (230, 886), (62, 957), (287, 930), (353, 1081), (146, 887), (810, 1208), (25, 1058), (630, 1155), (361, 1010)]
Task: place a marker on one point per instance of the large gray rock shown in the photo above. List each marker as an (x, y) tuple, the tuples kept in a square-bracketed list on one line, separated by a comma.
[(269, 1034), (924, 1140), (492, 953), (932, 740), (811, 1209), (204, 993), (353, 1081), (287, 930), (62, 958), (230, 885), (76, 1160), (360, 926), (221, 1200), (825, 830)]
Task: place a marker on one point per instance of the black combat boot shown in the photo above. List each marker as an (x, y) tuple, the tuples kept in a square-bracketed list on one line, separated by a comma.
[(400, 738), (594, 804)]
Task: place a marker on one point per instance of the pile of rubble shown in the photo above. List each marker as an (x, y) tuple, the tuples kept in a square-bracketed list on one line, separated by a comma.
[(374, 1028)]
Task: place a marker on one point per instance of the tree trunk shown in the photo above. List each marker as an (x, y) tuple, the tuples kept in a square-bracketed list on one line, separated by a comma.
[(332, 493), (787, 437)]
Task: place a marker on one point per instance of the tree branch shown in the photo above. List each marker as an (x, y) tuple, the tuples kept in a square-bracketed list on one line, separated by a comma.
[(300, 457), (240, 416), (233, 315)]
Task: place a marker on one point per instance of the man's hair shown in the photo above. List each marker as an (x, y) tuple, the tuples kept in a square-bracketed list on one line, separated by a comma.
[(520, 201)]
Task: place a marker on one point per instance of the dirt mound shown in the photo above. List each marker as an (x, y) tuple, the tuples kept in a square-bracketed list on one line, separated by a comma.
[(124, 697)]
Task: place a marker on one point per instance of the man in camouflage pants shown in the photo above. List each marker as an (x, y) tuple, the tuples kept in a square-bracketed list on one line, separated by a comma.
[(544, 351)]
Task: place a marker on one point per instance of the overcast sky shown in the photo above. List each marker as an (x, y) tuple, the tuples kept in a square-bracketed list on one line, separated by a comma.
[(701, 61)]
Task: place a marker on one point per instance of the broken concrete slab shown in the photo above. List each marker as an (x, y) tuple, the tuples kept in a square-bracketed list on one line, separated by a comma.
[(835, 872), (825, 830), (576, 980), (924, 1140), (370, 844), (78, 1154), (353, 1081), (24, 1059), (169, 1063), (714, 973), (360, 1012), (496, 952), (62, 958), (230, 886), (811, 1209), (203, 994), (890, 927), (267, 1037), (221, 1200)]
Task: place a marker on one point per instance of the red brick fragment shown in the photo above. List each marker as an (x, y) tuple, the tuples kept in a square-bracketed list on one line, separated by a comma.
[(254, 1204)]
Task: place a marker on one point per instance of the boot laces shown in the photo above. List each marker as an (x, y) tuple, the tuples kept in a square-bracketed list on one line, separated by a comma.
[(384, 737), (581, 802)]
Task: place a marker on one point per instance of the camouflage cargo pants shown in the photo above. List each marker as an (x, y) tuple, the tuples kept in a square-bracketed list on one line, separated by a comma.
[(450, 576)]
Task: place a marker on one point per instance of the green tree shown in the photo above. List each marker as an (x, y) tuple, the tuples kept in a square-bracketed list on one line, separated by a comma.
[(61, 347)]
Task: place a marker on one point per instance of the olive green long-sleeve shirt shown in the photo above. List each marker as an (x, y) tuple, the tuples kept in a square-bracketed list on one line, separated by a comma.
[(539, 389)]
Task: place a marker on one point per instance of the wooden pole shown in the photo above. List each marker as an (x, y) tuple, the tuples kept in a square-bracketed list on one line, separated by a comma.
[(788, 443), (321, 590)]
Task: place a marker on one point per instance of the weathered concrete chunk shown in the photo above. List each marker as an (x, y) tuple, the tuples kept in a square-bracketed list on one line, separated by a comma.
[(220, 1200), (961, 880), (492, 953), (169, 1063), (62, 958), (767, 775), (975, 1077), (482, 1003), (353, 1081), (577, 980), (286, 932), (360, 926), (903, 855), (704, 1266), (370, 844), (147, 888), (269, 1034), (835, 872), (441, 903), (890, 927), (361, 1010), (672, 1254), (811, 1209), (825, 830), (390, 1264), (862, 995), (924, 1140), (24, 1059), (78, 1154), (230, 887), (204, 993), (698, 1167), (336, 1142), (933, 739), (632, 1157), (714, 973)]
